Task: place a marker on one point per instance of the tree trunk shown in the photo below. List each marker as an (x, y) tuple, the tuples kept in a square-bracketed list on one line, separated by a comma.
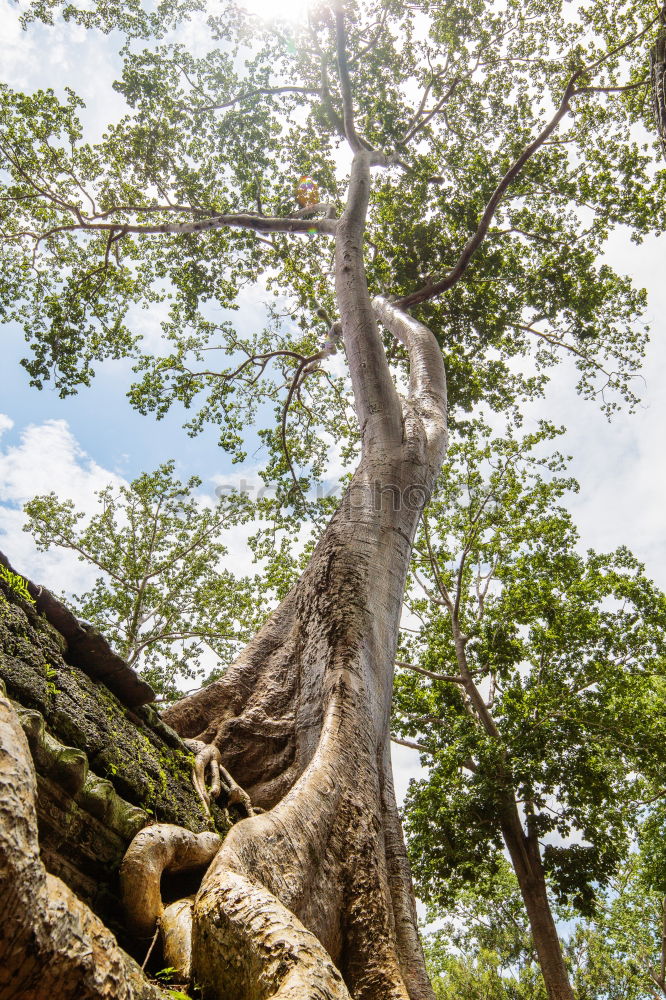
[(526, 859), (313, 899), (302, 722)]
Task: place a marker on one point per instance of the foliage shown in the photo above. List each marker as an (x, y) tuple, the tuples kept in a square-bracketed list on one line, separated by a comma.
[(16, 584), (483, 947), (564, 652), (189, 198), (481, 979), (161, 597), (619, 954)]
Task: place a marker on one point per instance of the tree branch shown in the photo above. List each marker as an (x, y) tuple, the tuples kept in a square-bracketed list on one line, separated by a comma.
[(351, 134), (410, 744), (375, 396), (474, 242), (417, 125), (429, 673), (433, 289), (256, 92), (427, 377), (262, 224)]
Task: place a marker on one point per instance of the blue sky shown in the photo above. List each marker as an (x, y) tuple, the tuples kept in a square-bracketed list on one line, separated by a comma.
[(103, 421)]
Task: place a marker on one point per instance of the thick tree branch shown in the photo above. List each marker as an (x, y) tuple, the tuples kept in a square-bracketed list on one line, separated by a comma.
[(263, 224), (476, 239), (427, 377), (375, 396), (411, 744), (354, 140)]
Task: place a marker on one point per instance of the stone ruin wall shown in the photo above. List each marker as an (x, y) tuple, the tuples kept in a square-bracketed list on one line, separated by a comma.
[(106, 763)]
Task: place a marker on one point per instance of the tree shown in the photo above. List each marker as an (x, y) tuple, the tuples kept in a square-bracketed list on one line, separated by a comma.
[(531, 691), (162, 598), (622, 952), (483, 945), (484, 948), (616, 954), (491, 131)]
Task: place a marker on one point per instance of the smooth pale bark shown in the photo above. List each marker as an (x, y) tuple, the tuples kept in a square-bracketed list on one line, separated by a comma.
[(315, 689), (176, 928), (313, 898), (51, 945)]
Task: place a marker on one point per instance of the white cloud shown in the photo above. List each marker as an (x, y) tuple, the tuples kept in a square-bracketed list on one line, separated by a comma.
[(6, 423), (47, 458), (620, 463), (406, 765), (46, 55)]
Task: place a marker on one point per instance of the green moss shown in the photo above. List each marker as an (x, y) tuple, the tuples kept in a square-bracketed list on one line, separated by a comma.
[(103, 771), (145, 761)]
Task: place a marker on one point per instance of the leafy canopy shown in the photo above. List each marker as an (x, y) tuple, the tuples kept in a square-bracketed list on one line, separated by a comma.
[(161, 596), (565, 651), (516, 143)]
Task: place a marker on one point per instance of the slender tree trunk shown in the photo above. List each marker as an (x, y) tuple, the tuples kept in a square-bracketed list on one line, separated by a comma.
[(526, 860), (523, 850)]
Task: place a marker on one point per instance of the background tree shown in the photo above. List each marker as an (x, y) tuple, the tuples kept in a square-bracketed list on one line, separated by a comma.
[(505, 150), (619, 952), (484, 947), (163, 598), (531, 691)]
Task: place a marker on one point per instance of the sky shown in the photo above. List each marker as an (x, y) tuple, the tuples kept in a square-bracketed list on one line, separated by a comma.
[(78, 445)]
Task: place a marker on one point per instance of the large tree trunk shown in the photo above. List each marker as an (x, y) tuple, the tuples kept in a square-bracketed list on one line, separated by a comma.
[(302, 722), (526, 860), (313, 899)]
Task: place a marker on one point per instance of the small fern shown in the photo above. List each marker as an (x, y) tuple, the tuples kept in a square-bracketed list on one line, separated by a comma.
[(16, 584)]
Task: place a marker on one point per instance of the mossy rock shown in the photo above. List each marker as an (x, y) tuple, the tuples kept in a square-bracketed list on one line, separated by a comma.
[(140, 755)]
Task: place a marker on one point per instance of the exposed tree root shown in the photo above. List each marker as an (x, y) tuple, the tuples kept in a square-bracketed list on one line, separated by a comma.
[(245, 935), (207, 758), (176, 930), (51, 945), (154, 850)]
